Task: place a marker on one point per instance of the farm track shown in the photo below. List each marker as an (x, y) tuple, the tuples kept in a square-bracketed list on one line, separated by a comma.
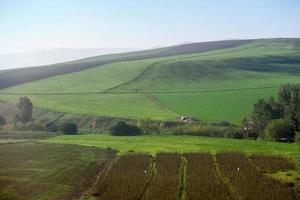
[(152, 169), (126, 179), (133, 80), (167, 180), (182, 190), (101, 176), (160, 104), (225, 180), (202, 180)]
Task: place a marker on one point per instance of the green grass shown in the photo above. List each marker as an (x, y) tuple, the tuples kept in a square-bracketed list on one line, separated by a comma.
[(263, 63), (214, 106), (93, 80), (120, 105), (180, 144)]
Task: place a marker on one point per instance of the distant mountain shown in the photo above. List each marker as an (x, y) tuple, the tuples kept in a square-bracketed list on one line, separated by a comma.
[(51, 56)]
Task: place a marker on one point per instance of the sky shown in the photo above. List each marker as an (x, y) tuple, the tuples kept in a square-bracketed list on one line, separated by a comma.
[(27, 25)]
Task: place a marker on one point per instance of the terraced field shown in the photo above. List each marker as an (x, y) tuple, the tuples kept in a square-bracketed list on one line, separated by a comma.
[(214, 84)]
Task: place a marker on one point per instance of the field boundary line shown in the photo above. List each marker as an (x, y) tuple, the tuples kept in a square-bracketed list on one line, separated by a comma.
[(58, 118), (154, 100), (92, 191), (153, 172), (138, 76), (135, 92), (132, 80), (225, 180), (182, 188)]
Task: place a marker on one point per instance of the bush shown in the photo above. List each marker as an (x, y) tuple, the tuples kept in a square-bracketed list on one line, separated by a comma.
[(223, 123), (51, 127), (2, 121), (148, 126), (199, 130), (279, 129), (69, 128), (234, 132), (121, 128), (297, 138)]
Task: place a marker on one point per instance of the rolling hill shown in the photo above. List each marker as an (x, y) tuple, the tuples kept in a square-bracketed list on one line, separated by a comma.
[(51, 56), (211, 81)]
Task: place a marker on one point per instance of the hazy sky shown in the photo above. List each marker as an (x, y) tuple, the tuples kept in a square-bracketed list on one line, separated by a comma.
[(34, 24)]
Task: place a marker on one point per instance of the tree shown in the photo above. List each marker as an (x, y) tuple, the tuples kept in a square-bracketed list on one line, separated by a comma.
[(25, 106), (279, 129), (263, 112), (69, 128), (121, 128), (289, 98), (286, 108)]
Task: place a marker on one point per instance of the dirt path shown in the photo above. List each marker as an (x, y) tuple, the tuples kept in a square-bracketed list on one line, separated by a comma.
[(92, 191)]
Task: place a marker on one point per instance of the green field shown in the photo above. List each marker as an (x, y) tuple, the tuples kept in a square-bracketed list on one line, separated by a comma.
[(215, 85), (179, 144)]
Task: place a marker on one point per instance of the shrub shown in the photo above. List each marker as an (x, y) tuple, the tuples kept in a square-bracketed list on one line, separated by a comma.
[(234, 132), (223, 123), (199, 130), (2, 121), (148, 126), (51, 127), (121, 128), (297, 138), (69, 128), (279, 129), (35, 126)]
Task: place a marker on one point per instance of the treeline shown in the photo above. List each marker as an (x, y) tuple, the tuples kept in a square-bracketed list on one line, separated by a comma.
[(276, 119)]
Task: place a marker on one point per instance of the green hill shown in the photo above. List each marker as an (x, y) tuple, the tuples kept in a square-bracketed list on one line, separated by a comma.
[(211, 81)]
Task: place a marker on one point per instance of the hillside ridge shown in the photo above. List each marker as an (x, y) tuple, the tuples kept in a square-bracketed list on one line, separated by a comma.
[(19, 76)]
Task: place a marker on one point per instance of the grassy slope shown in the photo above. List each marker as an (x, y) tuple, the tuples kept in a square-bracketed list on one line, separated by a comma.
[(211, 69), (24, 75), (94, 80), (212, 106), (180, 144), (214, 70)]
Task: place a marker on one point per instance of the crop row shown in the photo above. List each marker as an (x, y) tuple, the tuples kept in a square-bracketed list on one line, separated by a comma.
[(202, 181), (248, 181), (272, 163), (126, 179), (166, 182)]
